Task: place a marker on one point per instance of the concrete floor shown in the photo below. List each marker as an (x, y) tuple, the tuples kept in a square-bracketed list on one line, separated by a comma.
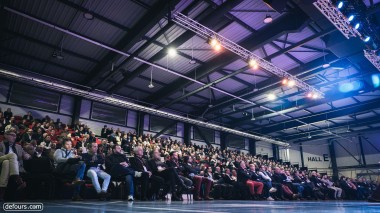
[(93, 206)]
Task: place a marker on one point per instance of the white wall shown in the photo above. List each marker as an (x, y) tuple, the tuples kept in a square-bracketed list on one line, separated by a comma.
[(264, 148), (316, 150), (295, 154)]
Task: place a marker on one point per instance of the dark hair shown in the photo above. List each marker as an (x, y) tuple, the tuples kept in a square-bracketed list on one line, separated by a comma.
[(172, 153), (186, 159), (65, 140)]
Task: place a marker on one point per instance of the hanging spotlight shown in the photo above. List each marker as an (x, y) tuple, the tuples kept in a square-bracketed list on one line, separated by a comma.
[(340, 5), (351, 17), (284, 81), (315, 96), (60, 56), (326, 65), (271, 96), (172, 52), (366, 39), (253, 63), (291, 83), (213, 42), (192, 61), (151, 86), (309, 136), (309, 95), (268, 19), (218, 47), (89, 16), (357, 26)]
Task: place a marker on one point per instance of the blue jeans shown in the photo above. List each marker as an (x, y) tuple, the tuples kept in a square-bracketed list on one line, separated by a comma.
[(129, 182), (79, 175), (94, 173)]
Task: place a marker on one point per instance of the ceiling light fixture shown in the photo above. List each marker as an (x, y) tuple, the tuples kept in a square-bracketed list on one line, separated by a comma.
[(88, 15), (340, 5), (253, 64), (253, 117), (172, 52), (151, 86), (366, 39), (357, 25), (268, 19), (351, 17), (271, 96)]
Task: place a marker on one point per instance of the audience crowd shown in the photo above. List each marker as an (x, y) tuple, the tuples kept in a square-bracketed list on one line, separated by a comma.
[(33, 149)]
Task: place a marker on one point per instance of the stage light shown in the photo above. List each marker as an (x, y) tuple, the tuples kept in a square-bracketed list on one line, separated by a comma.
[(217, 47), (351, 17), (291, 83), (366, 39), (284, 81), (340, 5), (357, 26), (315, 96), (172, 52), (213, 42), (271, 96), (309, 95), (375, 80), (253, 64)]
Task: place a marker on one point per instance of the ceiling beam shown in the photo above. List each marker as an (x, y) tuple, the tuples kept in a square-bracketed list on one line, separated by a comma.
[(212, 19), (146, 23), (303, 103), (32, 57), (54, 47), (267, 85), (291, 21), (97, 16), (318, 132), (324, 115)]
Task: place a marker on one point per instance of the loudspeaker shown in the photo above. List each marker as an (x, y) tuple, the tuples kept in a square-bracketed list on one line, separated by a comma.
[(277, 5)]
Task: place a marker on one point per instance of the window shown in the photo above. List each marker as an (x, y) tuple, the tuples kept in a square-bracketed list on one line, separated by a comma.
[(34, 97), (235, 141), (157, 124), (208, 133), (107, 113)]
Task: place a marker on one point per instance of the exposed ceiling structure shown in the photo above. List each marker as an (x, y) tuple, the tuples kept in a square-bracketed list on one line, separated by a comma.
[(299, 40)]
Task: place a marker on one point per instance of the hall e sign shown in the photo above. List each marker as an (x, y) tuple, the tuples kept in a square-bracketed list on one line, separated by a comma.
[(325, 157)]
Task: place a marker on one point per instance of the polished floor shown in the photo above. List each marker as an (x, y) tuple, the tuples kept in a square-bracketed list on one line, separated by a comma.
[(93, 206)]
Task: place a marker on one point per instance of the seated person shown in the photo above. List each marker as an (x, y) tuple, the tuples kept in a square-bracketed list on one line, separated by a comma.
[(169, 174), (11, 160), (191, 173), (141, 165), (94, 162), (28, 117), (27, 136), (68, 163), (118, 165), (244, 177)]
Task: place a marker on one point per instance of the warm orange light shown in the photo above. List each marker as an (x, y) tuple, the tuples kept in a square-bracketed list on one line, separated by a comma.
[(218, 47), (284, 81)]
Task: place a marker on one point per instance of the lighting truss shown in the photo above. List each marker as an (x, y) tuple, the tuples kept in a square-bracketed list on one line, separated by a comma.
[(328, 9), (207, 33), (373, 58), (126, 104)]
